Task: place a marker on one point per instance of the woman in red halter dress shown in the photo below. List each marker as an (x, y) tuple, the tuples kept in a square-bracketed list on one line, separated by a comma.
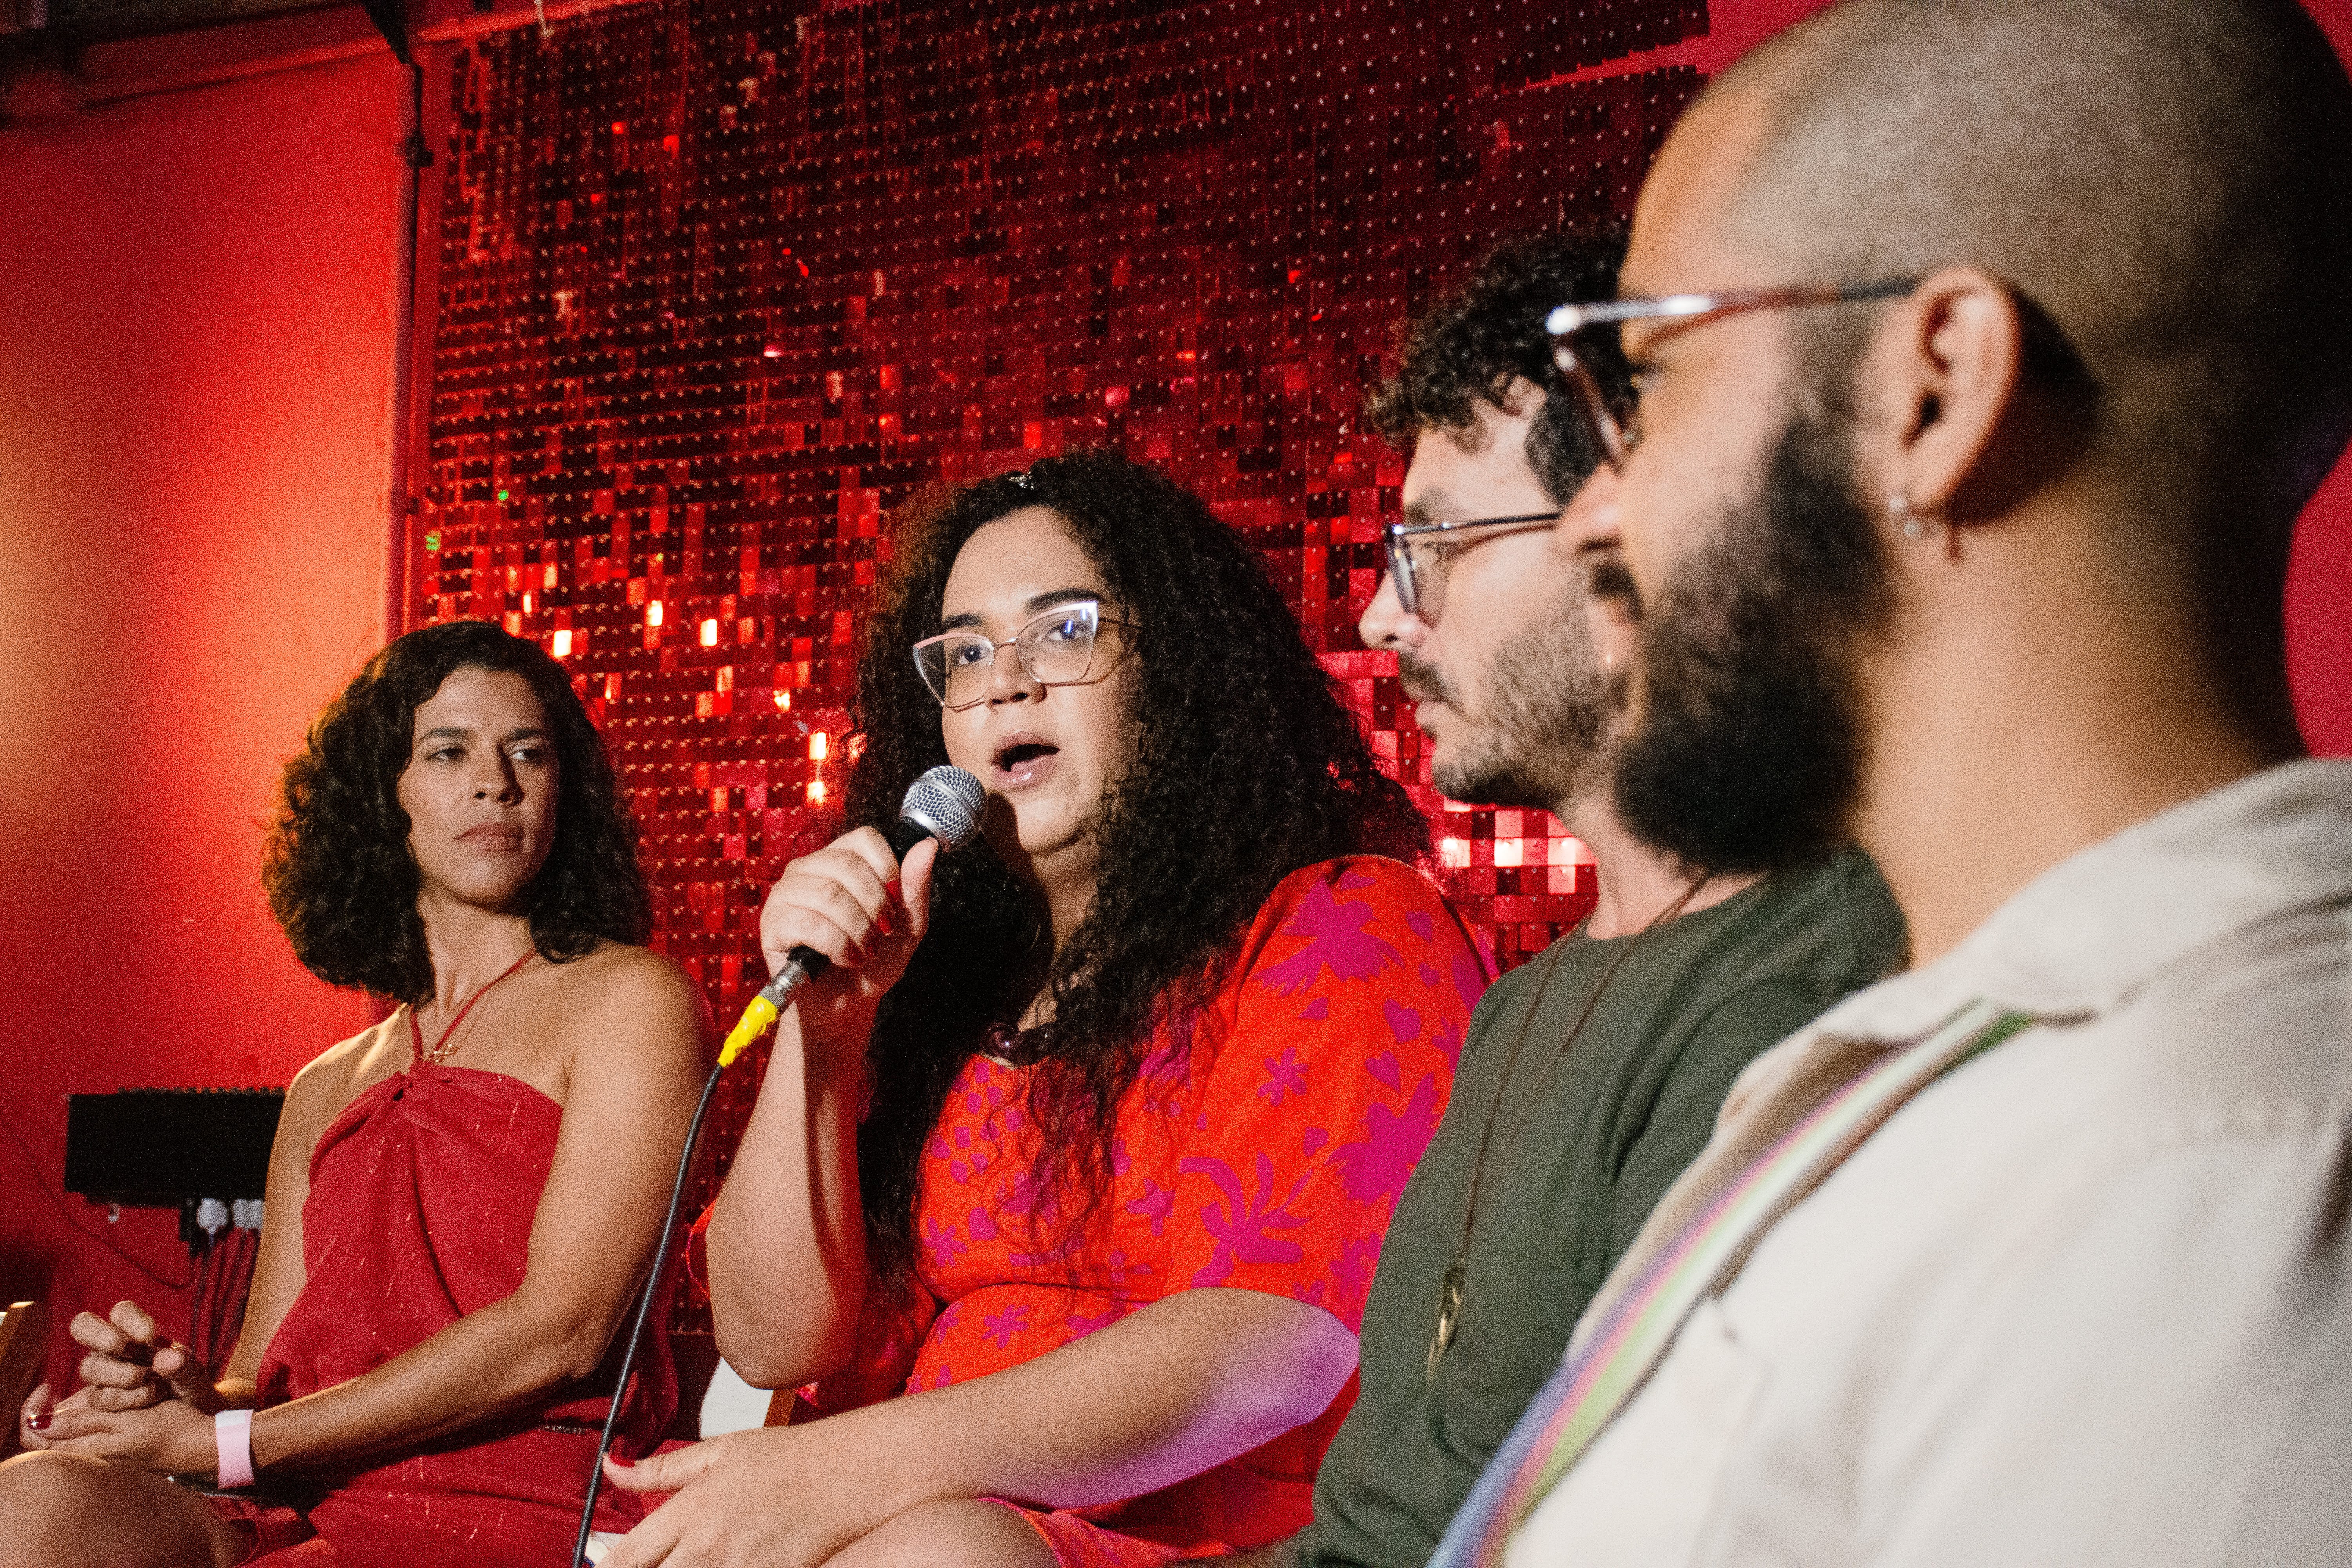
[(462, 1200)]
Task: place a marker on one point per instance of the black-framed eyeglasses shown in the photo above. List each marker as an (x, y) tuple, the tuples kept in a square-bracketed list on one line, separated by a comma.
[(1419, 553), (1058, 649), (1615, 421)]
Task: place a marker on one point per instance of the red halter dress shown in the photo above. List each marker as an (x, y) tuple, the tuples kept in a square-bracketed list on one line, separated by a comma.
[(422, 1196)]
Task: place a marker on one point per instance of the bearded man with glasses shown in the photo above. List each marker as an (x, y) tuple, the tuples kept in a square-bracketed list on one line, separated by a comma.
[(1591, 1075), (1986, 352)]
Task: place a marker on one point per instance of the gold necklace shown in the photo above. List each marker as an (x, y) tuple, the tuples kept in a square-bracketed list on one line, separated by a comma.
[(1449, 1295), (444, 1047)]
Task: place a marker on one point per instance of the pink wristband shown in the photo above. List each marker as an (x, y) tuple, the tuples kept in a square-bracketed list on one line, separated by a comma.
[(233, 1441)]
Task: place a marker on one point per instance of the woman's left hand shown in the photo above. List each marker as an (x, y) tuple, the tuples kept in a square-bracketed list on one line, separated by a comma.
[(174, 1437), (737, 1500)]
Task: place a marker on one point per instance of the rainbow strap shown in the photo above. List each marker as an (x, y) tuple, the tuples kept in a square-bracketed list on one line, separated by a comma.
[(1602, 1372)]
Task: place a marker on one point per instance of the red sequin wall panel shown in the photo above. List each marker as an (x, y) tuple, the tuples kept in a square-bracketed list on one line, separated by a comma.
[(722, 285)]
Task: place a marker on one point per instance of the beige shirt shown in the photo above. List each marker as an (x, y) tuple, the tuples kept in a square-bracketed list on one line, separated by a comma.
[(2088, 1299)]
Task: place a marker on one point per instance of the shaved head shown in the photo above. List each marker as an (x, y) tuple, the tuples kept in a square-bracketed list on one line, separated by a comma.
[(2167, 187)]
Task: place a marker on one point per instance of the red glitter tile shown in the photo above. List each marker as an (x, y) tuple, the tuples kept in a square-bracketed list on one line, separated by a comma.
[(722, 285)]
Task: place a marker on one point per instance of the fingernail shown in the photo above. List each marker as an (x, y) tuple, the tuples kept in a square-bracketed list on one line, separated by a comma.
[(39, 1421)]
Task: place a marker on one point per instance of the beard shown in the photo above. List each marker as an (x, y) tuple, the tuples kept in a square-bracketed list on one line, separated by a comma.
[(1545, 712), (1750, 749)]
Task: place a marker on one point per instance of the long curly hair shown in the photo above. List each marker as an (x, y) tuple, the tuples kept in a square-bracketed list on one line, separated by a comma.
[(1470, 347), (1242, 767), (337, 867)]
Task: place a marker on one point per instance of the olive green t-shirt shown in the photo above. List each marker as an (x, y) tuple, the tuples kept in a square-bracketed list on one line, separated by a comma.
[(1584, 1143)]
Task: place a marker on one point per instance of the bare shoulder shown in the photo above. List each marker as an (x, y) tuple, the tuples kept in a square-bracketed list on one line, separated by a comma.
[(344, 1070), (630, 999), (630, 977)]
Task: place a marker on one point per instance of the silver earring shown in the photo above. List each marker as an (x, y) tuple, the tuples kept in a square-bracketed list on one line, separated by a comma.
[(1898, 507)]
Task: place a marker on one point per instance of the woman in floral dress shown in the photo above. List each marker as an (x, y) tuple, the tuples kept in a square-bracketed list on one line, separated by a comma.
[(1065, 1183)]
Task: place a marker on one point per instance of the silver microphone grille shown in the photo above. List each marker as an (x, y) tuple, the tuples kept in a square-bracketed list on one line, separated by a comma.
[(949, 802)]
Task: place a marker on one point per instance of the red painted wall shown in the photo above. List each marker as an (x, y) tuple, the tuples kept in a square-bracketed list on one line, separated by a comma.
[(197, 316), (196, 345)]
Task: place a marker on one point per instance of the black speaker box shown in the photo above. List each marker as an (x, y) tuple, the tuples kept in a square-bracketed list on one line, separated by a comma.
[(161, 1147)]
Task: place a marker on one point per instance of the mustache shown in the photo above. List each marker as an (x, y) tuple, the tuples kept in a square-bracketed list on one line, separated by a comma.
[(1606, 577), (1421, 680)]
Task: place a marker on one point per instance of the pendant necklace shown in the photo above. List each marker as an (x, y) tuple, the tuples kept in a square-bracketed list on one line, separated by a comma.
[(1449, 1296), (443, 1048)]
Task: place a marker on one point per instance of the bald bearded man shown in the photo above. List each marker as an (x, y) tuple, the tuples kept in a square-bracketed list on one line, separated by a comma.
[(1987, 349)]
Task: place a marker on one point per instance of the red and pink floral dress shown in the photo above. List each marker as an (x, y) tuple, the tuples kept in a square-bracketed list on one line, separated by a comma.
[(1267, 1156)]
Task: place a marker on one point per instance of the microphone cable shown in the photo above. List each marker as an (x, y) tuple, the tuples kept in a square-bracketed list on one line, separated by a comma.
[(945, 804), (644, 1309)]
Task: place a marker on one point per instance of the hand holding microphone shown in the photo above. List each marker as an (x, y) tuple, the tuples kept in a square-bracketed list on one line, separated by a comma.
[(834, 905)]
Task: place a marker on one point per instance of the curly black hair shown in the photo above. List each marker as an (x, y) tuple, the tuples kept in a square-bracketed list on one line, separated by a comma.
[(337, 867), (1469, 348), (1243, 767)]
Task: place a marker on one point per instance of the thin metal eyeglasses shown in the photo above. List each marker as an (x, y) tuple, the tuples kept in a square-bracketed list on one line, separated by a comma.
[(1057, 649), (1615, 423), (1418, 552)]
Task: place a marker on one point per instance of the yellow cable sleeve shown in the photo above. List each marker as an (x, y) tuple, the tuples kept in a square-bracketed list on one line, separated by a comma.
[(747, 1030)]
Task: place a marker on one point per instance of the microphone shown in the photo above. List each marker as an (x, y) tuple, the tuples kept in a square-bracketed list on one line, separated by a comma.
[(945, 804)]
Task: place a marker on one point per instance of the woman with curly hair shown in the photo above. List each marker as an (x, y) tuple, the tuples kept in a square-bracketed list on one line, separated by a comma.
[(1065, 1182), (462, 1200)]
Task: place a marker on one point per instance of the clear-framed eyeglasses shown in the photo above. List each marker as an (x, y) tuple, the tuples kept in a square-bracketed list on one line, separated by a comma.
[(1059, 648), (1420, 553), (1615, 420)]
